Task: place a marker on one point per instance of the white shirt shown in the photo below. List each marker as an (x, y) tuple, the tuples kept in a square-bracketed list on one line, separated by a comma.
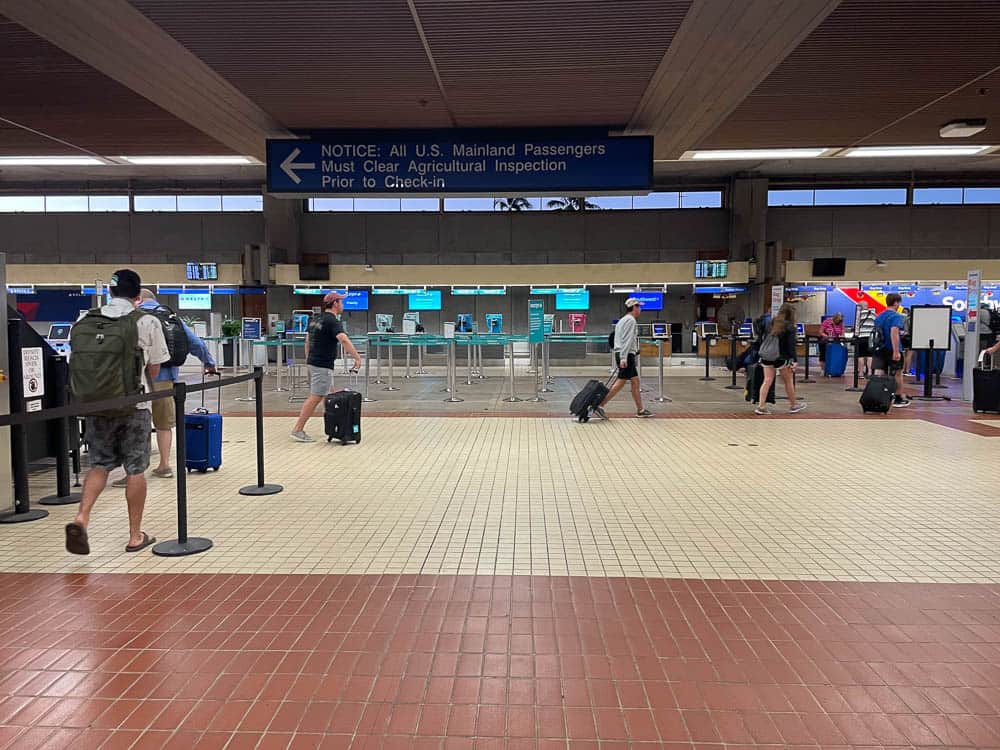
[(151, 340), (626, 336)]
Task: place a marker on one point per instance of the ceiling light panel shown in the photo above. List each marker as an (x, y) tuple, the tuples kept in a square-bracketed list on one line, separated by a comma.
[(889, 151), (758, 153), (50, 161), (186, 161)]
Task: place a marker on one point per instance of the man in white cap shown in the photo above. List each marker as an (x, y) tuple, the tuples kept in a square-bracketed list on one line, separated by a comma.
[(325, 331), (627, 346)]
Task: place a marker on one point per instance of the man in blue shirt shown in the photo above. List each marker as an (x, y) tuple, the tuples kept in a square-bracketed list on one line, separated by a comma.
[(889, 357), (164, 419)]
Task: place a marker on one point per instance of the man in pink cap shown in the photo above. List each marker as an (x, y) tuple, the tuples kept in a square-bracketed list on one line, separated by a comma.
[(325, 331)]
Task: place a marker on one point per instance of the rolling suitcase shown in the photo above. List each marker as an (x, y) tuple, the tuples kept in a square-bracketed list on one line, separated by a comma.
[(203, 437), (878, 394), (342, 417), (985, 386), (836, 360), (755, 377), (591, 395)]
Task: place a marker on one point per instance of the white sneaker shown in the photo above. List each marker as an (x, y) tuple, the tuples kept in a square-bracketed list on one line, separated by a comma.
[(644, 413), (763, 411), (800, 406), (600, 412), (302, 437)]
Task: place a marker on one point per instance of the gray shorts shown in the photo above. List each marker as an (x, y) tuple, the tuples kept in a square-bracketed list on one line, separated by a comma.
[(320, 380), (120, 441)]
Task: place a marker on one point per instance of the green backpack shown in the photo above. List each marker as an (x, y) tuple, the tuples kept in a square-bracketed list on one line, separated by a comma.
[(106, 361)]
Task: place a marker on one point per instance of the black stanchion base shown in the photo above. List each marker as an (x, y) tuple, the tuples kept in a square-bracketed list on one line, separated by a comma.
[(175, 548), (930, 398), (70, 499), (852, 389), (706, 378), (35, 514), (265, 489), (734, 387), (807, 380)]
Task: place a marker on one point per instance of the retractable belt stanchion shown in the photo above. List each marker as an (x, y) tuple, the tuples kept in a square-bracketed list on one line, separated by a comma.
[(732, 359), (378, 361), (280, 363), (928, 394), (470, 346), (857, 368), (479, 358), (364, 393), (539, 376), (390, 386), (260, 488), (807, 379), (406, 375), (420, 360), (250, 397), (638, 368), (23, 511), (512, 398), (708, 358), (183, 544), (545, 368), (451, 386), (63, 496), (660, 399)]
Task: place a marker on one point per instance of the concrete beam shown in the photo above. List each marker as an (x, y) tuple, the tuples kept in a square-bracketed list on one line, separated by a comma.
[(721, 52), (116, 39)]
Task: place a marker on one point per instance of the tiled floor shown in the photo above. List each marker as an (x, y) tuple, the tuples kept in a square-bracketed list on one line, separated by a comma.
[(503, 578), (456, 663)]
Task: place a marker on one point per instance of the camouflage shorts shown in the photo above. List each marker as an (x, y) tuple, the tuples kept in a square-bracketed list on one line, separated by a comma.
[(120, 441)]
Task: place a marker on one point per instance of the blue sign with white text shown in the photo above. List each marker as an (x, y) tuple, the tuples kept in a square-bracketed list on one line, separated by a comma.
[(442, 162), (536, 321)]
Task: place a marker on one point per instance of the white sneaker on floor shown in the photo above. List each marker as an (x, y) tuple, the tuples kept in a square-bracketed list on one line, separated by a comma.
[(120, 483), (302, 437), (600, 412), (800, 406), (644, 413), (763, 411)]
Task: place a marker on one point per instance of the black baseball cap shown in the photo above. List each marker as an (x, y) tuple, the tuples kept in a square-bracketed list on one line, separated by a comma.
[(125, 283)]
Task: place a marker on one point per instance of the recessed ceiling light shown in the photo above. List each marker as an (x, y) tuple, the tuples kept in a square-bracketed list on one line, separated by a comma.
[(50, 161), (759, 153), (185, 161), (871, 151), (962, 128)]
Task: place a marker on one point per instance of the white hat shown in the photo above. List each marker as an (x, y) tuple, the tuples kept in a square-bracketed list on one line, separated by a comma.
[(633, 301)]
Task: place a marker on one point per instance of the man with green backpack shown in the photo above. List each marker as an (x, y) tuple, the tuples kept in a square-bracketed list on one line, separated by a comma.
[(114, 349)]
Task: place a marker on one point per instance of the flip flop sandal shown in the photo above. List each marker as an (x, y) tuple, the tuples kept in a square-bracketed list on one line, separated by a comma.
[(146, 541), (76, 539)]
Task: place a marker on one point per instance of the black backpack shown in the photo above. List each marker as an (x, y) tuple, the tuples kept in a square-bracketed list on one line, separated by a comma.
[(174, 333)]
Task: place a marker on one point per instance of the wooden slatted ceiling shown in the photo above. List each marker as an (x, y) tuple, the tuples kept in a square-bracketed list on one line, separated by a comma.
[(869, 64), (313, 63), (48, 90), (562, 62)]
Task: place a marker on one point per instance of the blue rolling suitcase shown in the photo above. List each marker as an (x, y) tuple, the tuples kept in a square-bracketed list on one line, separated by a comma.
[(203, 432), (836, 360)]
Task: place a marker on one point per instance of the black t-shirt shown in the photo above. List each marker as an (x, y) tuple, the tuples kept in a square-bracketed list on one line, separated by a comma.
[(323, 332)]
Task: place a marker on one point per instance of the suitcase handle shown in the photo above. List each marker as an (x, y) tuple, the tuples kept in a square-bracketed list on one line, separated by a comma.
[(983, 355)]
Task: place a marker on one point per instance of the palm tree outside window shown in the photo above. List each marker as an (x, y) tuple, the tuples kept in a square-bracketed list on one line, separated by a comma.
[(572, 204), (512, 204)]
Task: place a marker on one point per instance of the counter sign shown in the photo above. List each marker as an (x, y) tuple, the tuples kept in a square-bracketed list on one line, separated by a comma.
[(33, 372), (443, 162)]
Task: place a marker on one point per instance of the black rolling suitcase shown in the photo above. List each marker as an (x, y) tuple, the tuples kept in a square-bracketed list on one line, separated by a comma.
[(342, 417), (878, 394), (985, 386), (591, 395), (755, 377)]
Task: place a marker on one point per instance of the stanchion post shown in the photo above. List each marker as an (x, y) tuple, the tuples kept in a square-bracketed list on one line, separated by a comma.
[(406, 375), (22, 511), (546, 378), (539, 375), (63, 496), (512, 399), (857, 367), (364, 394), (390, 386), (260, 488), (708, 359), (378, 361), (182, 545), (660, 399), (452, 385), (733, 330), (807, 379)]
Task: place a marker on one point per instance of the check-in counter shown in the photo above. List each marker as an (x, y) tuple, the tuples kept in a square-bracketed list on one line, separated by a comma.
[(721, 346)]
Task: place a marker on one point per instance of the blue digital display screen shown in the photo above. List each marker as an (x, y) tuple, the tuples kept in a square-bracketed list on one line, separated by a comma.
[(427, 300), (357, 299), (649, 300), (577, 299)]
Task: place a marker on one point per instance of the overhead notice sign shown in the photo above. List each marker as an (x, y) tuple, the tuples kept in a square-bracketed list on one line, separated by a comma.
[(443, 162)]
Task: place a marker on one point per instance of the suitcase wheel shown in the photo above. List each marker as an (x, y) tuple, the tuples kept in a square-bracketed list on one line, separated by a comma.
[(357, 440), (203, 471), (329, 439), (344, 441)]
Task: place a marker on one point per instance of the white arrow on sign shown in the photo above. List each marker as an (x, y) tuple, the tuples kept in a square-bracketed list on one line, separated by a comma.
[(289, 165)]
